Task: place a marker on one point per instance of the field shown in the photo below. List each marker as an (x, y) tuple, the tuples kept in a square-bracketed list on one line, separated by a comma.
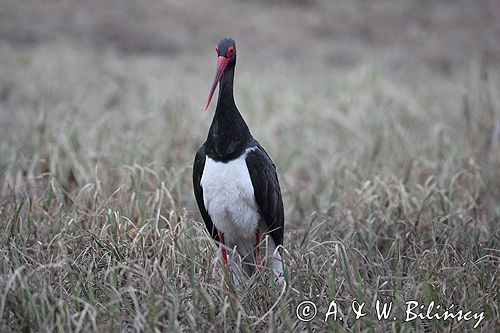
[(383, 120)]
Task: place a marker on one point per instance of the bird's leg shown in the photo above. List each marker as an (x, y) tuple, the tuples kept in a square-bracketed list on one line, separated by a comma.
[(223, 249), (257, 250)]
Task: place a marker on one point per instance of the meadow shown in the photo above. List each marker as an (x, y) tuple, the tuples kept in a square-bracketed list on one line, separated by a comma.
[(389, 164)]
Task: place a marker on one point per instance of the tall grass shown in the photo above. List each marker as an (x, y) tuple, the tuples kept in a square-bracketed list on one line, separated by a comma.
[(391, 191)]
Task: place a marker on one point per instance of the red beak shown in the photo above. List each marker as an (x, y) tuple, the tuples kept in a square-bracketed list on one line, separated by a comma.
[(221, 66)]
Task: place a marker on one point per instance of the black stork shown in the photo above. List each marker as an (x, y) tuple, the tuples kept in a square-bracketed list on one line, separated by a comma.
[(235, 182)]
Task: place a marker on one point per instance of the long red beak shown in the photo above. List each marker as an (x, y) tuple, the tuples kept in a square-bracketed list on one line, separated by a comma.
[(221, 66)]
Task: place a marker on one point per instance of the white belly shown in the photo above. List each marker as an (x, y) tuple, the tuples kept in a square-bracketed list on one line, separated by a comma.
[(229, 198)]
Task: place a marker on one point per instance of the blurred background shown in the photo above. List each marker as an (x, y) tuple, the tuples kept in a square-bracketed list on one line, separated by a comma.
[(443, 34), (89, 40)]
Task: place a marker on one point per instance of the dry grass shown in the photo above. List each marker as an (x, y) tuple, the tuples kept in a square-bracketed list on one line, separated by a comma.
[(391, 188)]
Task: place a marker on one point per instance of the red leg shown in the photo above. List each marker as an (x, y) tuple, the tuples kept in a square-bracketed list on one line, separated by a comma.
[(224, 253), (257, 249)]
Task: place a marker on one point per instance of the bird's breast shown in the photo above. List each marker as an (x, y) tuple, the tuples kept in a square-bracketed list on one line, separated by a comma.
[(229, 197)]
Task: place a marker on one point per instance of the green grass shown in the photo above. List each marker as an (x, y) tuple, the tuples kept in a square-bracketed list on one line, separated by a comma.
[(391, 192)]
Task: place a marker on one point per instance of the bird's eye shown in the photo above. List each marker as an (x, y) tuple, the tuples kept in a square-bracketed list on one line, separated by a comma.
[(230, 51), (217, 49)]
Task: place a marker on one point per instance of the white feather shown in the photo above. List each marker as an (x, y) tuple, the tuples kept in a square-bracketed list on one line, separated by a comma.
[(229, 198)]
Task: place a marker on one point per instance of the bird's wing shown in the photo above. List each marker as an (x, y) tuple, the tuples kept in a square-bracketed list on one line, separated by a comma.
[(267, 192), (198, 166)]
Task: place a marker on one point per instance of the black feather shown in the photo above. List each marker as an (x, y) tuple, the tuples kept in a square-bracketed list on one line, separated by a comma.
[(198, 166), (267, 192)]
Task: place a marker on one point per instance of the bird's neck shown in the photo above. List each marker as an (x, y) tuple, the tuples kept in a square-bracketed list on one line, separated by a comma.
[(226, 98), (229, 135)]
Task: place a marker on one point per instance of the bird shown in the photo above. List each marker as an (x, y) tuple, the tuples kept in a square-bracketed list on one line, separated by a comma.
[(236, 184)]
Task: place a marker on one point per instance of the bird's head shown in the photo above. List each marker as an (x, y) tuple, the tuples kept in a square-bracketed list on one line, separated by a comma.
[(226, 57)]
